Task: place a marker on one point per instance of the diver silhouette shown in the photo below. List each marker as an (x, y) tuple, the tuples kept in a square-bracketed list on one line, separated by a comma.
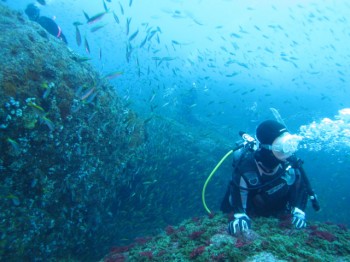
[(33, 13)]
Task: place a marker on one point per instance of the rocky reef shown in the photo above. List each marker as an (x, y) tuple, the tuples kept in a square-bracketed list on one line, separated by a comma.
[(79, 171), (65, 141), (206, 239)]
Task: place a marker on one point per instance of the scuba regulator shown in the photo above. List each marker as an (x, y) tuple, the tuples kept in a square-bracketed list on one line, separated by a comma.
[(251, 144)]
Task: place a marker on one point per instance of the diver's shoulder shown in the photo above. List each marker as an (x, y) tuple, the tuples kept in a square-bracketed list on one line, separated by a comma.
[(44, 20), (243, 154)]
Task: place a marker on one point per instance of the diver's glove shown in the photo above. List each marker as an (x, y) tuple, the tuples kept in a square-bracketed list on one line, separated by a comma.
[(298, 218), (241, 223)]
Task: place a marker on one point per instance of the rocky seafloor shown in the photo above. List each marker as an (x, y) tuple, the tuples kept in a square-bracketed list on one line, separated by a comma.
[(206, 239)]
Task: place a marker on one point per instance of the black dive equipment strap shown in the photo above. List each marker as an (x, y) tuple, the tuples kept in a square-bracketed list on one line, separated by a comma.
[(251, 188), (249, 144), (298, 163)]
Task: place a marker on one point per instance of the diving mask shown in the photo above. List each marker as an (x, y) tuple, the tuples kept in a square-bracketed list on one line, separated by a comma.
[(286, 143), (284, 146)]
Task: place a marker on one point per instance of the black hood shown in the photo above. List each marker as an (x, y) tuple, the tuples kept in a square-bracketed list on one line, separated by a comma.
[(33, 12)]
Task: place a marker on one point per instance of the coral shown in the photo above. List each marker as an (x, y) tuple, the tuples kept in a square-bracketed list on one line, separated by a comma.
[(197, 252), (170, 230), (146, 254), (196, 234), (219, 240), (323, 235)]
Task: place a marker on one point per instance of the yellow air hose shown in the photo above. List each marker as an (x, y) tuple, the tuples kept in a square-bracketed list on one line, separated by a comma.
[(210, 176)]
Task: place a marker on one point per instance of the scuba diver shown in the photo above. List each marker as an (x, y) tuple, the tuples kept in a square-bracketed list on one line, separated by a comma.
[(33, 13), (187, 103), (268, 180)]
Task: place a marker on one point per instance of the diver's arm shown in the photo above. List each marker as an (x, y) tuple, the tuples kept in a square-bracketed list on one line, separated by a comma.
[(298, 195), (238, 195), (298, 201), (241, 222), (63, 38)]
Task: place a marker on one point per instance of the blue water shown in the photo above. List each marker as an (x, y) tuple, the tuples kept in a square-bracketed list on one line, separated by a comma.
[(222, 65)]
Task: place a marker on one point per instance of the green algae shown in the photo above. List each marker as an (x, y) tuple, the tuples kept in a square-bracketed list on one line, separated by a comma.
[(268, 239)]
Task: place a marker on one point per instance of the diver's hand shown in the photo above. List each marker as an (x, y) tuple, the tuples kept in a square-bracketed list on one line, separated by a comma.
[(298, 218), (241, 223)]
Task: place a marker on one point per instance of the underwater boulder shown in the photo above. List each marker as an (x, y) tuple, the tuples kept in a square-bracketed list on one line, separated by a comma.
[(80, 172), (65, 142)]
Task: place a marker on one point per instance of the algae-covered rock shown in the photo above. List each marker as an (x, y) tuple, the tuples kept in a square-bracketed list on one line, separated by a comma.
[(79, 171), (206, 239), (65, 141)]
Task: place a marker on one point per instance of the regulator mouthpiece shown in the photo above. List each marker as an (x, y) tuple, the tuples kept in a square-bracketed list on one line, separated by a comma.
[(286, 143)]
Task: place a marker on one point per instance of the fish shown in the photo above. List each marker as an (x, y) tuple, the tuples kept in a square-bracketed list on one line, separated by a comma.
[(144, 42), (121, 8), (232, 75), (133, 35), (77, 23), (150, 182), (100, 54), (235, 35), (116, 18), (15, 146), (80, 59), (45, 85), (148, 119), (130, 3), (113, 75), (89, 100), (127, 53), (46, 93), (128, 20), (78, 91), (152, 33), (105, 6), (277, 115), (86, 44), (86, 15), (153, 96), (38, 109), (138, 67), (42, 2), (77, 35), (96, 28), (49, 123), (87, 93), (95, 18)]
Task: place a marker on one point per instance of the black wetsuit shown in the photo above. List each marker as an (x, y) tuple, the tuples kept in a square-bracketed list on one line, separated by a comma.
[(51, 27), (267, 195)]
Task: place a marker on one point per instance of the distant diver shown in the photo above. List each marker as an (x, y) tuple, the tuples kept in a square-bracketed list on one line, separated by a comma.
[(42, 2), (187, 102), (33, 13)]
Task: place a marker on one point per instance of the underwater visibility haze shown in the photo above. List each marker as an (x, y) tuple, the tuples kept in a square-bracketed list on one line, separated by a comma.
[(111, 136)]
